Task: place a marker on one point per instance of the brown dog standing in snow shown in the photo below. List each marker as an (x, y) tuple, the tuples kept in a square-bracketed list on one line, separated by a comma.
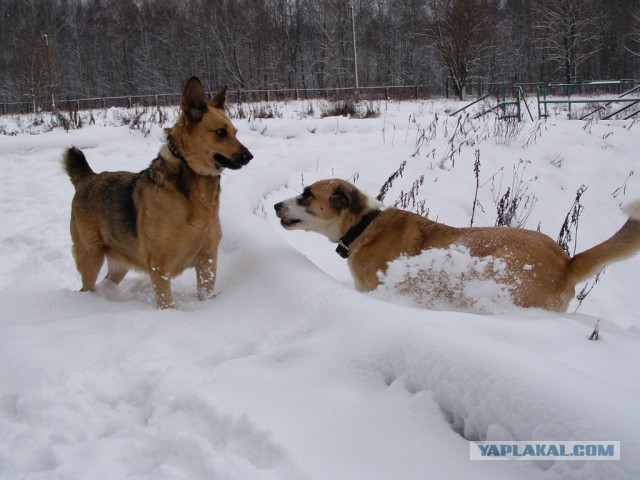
[(538, 270), (164, 219)]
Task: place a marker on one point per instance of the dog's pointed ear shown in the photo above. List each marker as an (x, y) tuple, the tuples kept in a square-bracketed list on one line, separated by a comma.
[(219, 99), (193, 103)]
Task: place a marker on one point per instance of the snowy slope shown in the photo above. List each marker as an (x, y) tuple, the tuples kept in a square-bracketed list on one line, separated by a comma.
[(289, 373)]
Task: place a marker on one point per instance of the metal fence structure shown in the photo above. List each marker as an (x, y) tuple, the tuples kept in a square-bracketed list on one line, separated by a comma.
[(508, 100), (233, 95), (584, 93), (394, 92)]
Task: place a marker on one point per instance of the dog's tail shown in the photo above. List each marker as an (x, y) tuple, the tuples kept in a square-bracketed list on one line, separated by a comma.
[(624, 244), (75, 164)]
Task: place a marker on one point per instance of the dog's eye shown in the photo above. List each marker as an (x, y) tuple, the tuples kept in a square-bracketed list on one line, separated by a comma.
[(305, 197), (222, 132)]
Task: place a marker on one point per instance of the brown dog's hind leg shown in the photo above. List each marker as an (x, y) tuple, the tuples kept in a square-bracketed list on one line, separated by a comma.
[(88, 252), (89, 262)]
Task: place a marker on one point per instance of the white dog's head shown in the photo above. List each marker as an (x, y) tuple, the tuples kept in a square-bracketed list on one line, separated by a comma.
[(329, 207)]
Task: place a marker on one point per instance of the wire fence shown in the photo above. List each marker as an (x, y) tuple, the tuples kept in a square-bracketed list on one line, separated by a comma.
[(389, 92), (233, 95)]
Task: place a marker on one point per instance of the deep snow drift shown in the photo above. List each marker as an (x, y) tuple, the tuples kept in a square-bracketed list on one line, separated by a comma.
[(289, 373)]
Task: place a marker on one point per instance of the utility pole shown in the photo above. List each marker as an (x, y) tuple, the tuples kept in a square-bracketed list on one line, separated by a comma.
[(355, 51), (46, 42)]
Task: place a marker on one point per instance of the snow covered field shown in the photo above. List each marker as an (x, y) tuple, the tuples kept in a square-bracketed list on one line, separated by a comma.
[(289, 373)]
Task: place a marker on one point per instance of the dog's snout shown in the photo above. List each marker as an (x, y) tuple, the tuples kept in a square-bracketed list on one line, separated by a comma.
[(236, 161), (244, 156), (278, 206)]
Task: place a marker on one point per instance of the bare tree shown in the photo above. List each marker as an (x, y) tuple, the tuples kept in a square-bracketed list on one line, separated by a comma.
[(463, 35), (232, 27), (567, 31), (634, 47)]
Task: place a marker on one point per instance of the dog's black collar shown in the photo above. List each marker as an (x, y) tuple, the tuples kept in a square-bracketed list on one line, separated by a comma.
[(354, 232), (174, 151)]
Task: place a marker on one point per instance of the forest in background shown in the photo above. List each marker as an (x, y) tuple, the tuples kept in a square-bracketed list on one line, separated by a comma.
[(99, 48)]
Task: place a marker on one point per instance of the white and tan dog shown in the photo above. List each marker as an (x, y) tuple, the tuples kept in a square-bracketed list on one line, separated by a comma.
[(538, 271)]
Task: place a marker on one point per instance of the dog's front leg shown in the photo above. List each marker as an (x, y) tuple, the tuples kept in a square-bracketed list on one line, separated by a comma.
[(206, 267), (161, 280)]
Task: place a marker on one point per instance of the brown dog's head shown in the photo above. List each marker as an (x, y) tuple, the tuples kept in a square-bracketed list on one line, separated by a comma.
[(204, 135), (329, 207)]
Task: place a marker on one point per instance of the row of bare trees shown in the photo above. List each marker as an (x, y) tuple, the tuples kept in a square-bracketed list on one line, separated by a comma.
[(83, 48)]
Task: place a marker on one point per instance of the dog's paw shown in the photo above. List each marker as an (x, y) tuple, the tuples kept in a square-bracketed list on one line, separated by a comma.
[(204, 295)]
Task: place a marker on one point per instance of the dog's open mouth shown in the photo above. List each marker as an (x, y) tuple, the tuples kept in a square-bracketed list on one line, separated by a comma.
[(289, 222)]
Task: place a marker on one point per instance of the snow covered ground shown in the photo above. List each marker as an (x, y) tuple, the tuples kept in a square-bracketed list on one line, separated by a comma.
[(289, 373)]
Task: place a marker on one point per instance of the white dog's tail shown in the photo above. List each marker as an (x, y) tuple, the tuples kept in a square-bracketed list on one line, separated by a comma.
[(624, 244)]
